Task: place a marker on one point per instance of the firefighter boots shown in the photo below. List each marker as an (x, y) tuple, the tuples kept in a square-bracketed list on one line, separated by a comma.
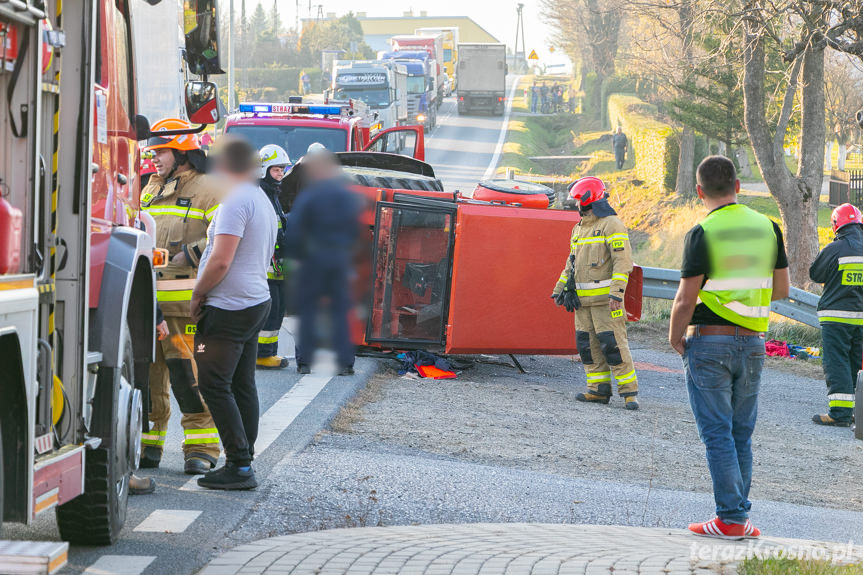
[(591, 397), (151, 456), (272, 362), (197, 464), (823, 419), (631, 402), (141, 485)]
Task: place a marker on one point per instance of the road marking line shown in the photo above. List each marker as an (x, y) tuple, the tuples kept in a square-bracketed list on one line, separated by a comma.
[(120, 565), (280, 415), (168, 521), (492, 166)]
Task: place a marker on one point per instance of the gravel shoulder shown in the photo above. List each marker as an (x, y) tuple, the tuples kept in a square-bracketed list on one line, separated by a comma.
[(493, 415)]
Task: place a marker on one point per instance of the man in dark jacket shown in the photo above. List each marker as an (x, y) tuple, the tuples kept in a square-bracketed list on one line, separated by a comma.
[(839, 267), (620, 144), (274, 161), (323, 224)]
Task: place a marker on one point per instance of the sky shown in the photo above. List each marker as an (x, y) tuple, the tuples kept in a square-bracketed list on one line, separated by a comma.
[(496, 16)]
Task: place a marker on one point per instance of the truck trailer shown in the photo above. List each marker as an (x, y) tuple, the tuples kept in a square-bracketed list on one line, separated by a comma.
[(450, 51), (433, 45), (482, 78)]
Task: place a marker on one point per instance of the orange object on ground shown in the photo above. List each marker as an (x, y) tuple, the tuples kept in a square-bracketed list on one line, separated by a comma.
[(433, 372)]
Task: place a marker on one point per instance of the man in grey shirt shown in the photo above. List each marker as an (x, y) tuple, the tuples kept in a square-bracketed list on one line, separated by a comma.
[(230, 303)]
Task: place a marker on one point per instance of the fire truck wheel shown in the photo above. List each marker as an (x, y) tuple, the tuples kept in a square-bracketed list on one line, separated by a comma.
[(96, 517)]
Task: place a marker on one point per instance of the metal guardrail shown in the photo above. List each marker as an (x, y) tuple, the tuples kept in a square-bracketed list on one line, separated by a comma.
[(800, 305)]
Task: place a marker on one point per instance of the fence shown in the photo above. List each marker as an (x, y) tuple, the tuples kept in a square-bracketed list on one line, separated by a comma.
[(800, 305), (846, 187)]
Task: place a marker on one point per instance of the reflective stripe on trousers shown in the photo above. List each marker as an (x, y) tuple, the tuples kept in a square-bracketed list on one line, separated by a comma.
[(197, 436), (153, 438), (268, 336), (841, 400)]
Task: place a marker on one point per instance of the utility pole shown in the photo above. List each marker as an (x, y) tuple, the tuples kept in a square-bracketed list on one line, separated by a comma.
[(519, 33), (320, 15), (231, 56)]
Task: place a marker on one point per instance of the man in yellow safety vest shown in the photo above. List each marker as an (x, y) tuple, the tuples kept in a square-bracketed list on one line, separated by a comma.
[(734, 265)]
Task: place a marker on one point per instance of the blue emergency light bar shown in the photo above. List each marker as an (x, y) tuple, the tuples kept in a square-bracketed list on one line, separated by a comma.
[(290, 109)]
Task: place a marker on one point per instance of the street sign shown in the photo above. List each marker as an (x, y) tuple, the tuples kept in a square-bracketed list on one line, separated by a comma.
[(533, 55)]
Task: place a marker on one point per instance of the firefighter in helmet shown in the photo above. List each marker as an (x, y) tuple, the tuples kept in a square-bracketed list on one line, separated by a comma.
[(839, 267), (597, 271), (274, 163), (183, 201)]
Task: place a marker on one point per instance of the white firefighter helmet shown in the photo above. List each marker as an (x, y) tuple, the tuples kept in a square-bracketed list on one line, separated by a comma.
[(273, 155), (316, 148)]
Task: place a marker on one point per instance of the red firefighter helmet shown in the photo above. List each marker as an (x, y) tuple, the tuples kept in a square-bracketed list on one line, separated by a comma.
[(588, 190), (182, 143), (844, 215)]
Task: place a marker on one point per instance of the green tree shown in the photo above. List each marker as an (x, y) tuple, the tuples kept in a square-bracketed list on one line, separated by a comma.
[(345, 33)]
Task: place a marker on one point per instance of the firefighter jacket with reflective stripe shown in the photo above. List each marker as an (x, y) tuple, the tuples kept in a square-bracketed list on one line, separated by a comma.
[(741, 247), (839, 267), (182, 208), (603, 260), (272, 189)]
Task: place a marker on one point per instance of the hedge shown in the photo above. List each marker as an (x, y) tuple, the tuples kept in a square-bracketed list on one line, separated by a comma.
[(276, 83), (655, 144)]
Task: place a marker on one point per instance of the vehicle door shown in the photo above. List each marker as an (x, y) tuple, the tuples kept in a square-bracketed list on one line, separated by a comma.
[(411, 264), (402, 140)]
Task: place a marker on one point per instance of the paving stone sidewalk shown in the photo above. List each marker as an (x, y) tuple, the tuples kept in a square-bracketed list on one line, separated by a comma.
[(508, 549)]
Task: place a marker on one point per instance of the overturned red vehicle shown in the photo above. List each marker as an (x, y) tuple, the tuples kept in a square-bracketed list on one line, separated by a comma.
[(456, 275)]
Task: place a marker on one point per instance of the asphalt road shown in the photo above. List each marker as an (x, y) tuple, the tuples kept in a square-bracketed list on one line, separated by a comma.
[(179, 528), (465, 149)]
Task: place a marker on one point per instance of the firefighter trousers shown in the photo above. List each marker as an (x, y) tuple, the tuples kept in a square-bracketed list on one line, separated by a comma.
[(175, 369), (841, 359), (268, 337), (600, 335)]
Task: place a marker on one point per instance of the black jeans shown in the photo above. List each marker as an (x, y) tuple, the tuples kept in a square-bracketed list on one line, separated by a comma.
[(226, 348)]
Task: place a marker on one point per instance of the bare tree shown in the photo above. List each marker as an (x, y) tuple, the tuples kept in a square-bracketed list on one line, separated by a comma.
[(797, 194), (589, 31)]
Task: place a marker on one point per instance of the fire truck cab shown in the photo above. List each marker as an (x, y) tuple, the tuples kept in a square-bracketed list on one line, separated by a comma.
[(340, 127), (77, 288)]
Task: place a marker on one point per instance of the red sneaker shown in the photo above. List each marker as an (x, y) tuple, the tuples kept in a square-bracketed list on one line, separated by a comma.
[(716, 528), (750, 531)]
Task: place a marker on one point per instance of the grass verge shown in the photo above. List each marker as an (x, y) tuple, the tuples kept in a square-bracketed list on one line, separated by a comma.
[(787, 566), (352, 412)]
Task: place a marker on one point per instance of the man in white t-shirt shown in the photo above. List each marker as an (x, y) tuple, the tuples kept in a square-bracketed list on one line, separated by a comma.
[(230, 304)]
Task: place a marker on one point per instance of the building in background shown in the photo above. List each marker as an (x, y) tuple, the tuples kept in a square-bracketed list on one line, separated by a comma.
[(377, 30)]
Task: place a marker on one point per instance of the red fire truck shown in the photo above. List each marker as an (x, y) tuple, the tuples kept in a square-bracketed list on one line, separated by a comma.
[(338, 126), (77, 290)]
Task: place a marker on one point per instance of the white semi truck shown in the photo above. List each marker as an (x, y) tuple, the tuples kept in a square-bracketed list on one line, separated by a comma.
[(381, 85)]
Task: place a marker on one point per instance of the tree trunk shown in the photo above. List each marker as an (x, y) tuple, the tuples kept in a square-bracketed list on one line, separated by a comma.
[(744, 168), (843, 155), (797, 196), (686, 165)]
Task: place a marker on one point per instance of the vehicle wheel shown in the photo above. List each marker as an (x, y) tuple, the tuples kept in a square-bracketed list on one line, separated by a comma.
[(96, 517)]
